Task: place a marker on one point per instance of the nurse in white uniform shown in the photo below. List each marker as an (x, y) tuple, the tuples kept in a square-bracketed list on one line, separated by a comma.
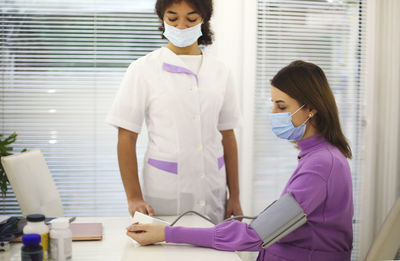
[(188, 102)]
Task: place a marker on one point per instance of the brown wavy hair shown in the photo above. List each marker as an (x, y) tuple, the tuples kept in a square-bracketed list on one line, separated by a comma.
[(307, 83), (203, 7)]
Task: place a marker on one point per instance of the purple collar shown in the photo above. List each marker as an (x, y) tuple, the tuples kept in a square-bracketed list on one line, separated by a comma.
[(173, 64), (311, 144), (178, 69)]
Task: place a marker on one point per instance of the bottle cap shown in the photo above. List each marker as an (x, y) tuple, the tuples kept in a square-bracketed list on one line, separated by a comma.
[(61, 223), (35, 218), (31, 239)]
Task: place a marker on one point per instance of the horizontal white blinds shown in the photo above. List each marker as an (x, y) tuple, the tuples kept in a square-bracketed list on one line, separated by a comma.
[(329, 33), (61, 65)]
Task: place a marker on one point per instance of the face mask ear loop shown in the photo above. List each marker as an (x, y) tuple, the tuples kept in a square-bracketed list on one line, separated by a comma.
[(298, 109)]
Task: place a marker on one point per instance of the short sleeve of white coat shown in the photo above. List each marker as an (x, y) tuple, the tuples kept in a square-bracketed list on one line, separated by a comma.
[(128, 109), (229, 116)]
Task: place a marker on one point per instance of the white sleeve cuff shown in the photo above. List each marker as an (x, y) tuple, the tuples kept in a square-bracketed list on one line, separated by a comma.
[(118, 123), (229, 125)]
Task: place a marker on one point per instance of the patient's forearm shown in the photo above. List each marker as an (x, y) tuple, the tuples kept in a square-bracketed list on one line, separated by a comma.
[(228, 236)]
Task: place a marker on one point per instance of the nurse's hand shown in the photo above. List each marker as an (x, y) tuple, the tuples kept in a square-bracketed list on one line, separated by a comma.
[(141, 206), (233, 208), (146, 234)]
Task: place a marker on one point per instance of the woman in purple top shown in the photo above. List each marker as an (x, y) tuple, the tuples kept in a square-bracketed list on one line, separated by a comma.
[(304, 111)]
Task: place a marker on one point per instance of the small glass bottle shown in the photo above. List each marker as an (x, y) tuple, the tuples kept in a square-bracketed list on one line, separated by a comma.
[(60, 240), (31, 250), (35, 225)]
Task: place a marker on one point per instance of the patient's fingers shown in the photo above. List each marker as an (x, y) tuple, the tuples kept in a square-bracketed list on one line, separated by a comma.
[(137, 228), (128, 227), (147, 234)]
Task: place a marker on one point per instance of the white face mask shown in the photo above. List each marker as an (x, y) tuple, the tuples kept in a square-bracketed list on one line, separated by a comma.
[(182, 37)]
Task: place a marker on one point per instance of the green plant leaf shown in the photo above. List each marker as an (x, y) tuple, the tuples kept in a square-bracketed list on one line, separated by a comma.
[(6, 150)]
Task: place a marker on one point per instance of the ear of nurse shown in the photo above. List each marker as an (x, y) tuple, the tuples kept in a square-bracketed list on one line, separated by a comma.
[(301, 113)]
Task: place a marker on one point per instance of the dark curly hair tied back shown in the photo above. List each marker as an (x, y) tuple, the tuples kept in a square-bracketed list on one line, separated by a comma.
[(203, 7)]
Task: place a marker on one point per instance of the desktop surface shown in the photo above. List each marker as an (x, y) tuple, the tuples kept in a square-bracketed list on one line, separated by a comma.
[(116, 245)]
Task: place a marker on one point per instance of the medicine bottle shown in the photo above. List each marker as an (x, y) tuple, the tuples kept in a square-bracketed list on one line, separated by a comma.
[(35, 225), (31, 250), (60, 240)]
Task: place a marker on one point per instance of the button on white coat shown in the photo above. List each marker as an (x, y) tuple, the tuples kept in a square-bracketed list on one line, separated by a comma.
[(202, 203)]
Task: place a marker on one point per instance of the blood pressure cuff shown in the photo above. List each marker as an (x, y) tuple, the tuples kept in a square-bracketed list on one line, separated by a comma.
[(278, 219)]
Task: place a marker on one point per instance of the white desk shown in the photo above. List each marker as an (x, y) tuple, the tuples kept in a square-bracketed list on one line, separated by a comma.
[(117, 246)]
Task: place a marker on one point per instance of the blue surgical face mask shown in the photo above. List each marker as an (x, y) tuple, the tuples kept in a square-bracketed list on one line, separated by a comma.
[(182, 37), (283, 127)]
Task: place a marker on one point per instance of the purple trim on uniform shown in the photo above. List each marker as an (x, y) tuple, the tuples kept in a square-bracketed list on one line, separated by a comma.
[(221, 162), (178, 69), (171, 167)]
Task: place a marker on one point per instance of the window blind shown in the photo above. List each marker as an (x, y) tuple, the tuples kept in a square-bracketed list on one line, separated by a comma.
[(331, 34), (61, 65)]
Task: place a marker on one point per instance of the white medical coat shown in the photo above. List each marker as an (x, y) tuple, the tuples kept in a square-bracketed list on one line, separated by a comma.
[(184, 165)]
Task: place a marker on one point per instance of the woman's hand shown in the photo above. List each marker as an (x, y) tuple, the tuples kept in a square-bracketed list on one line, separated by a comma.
[(141, 206), (146, 234), (233, 208)]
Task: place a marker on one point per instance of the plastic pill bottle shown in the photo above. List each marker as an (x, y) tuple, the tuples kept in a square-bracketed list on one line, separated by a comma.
[(60, 240), (35, 225)]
